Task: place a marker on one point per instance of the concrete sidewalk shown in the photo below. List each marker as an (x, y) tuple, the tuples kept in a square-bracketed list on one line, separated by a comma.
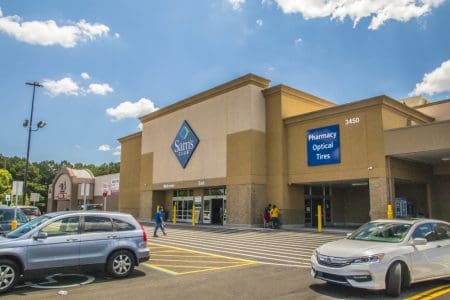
[(335, 230)]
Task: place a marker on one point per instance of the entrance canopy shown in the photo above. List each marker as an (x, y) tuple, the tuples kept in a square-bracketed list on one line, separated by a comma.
[(429, 143)]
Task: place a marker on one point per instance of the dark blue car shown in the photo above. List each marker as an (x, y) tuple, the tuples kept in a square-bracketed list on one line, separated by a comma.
[(7, 216)]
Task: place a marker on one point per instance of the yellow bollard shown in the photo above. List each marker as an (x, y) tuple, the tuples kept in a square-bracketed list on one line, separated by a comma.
[(319, 218), (193, 214), (174, 214), (13, 224), (390, 212)]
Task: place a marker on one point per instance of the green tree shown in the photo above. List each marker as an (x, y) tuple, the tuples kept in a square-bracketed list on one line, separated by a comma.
[(5, 183)]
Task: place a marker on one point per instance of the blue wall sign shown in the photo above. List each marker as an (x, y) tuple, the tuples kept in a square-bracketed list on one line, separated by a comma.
[(184, 144), (323, 146)]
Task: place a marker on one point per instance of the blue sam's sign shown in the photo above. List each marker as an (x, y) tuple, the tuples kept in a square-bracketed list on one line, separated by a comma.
[(323, 146), (184, 144)]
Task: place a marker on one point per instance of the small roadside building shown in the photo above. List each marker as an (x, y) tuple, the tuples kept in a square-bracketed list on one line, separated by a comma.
[(66, 191)]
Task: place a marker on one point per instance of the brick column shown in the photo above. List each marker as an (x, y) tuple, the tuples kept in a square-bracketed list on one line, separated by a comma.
[(378, 191)]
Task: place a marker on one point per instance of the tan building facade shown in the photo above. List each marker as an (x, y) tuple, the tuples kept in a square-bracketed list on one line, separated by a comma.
[(231, 150)]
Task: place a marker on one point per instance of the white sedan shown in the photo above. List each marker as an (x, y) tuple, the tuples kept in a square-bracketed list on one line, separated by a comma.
[(386, 254)]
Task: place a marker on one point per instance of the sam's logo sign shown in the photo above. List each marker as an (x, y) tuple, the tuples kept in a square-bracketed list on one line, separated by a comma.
[(185, 143)]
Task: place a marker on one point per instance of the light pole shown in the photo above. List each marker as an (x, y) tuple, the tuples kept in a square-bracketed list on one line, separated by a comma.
[(29, 124)]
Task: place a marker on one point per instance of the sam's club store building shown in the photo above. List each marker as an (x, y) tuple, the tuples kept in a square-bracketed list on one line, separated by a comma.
[(231, 150)]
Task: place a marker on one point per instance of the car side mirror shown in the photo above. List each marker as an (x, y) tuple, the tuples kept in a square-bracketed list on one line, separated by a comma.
[(419, 242), (348, 234), (40, 235)]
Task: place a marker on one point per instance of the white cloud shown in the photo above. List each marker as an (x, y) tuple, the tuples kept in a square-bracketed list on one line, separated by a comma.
[(379, 11), (129, 109), (64, 86), (85, 76), (298, 41), (100, 88), (266, 2), (236, 4), (437, 81), (48, 33), (259, 22), (117, 35), (117, 150), (140, 126), (104, 148)]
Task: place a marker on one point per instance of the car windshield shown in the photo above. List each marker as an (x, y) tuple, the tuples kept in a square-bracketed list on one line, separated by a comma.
[(27, 227), (381, 232), (29, 211), (6, 215)]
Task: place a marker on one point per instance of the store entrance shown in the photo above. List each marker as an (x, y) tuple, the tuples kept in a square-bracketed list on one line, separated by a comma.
[(315, 196), (217, 210)]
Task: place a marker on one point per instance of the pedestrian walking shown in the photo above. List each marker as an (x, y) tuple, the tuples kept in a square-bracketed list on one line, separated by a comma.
[(266, 215), (274, 215), (159, 221)]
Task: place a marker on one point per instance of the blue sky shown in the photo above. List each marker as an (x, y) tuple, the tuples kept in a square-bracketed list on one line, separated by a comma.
[(103, 63)]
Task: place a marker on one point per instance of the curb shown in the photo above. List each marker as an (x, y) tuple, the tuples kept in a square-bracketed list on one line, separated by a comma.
[(250, 227)]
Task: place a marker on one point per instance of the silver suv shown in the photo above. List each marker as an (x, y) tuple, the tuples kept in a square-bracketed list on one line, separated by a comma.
[(114, 241)]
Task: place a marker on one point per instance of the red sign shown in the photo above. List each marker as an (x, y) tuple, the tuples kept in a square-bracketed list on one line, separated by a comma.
[(105, 193)]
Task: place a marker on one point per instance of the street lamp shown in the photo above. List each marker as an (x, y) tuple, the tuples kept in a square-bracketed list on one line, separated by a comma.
[(29, 124)]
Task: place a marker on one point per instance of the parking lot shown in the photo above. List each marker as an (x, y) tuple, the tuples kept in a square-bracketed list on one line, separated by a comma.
[(218, 263)]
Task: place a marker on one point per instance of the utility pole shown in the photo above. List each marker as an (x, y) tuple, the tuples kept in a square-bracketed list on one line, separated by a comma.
[(30, 124)]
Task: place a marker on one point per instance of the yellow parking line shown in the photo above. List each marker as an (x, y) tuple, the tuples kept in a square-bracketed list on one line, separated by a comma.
[(164, 251), (432, 293), (172, 255), (185, 266), (202, 261), (161, 269), (209, 254), (218, 268)]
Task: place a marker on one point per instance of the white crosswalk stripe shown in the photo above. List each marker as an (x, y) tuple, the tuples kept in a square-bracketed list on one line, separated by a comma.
[(283, 248)]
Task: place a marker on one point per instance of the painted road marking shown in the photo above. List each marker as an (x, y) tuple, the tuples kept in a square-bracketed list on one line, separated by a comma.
[(177, 261), (431, 293)]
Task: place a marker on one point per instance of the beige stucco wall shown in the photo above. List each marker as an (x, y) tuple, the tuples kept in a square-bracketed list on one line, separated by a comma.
[(212, 120), (361, 147), (283, 102), (440, 111), (130, 172), (427, 137), (441, 197)]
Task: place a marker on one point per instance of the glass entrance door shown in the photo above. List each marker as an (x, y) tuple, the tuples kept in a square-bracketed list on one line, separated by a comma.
[(314, 196), (207, 211), (184, 209)]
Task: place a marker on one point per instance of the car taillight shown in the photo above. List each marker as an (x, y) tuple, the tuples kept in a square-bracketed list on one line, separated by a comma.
[(144, 234)]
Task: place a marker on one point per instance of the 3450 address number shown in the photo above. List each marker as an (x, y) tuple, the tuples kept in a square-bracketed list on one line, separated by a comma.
[(352, 121)]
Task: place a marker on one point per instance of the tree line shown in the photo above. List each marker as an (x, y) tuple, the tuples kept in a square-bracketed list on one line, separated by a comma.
[(41, 174)]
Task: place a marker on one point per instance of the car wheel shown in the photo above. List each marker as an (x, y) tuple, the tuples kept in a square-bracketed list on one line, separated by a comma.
[(394, 280), (120, 264), (8, 275)]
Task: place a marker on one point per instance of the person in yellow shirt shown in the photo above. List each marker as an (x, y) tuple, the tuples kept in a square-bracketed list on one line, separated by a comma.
[(274, 214)]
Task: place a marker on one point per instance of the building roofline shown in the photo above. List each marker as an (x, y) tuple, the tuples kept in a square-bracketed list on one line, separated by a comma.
[(433, 103), (284, 89), (215, 91), (365, 103), (130, 136)]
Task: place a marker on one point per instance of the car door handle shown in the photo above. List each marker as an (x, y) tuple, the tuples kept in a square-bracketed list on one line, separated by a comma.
[(438, 246), (72, 240), (112, 236)]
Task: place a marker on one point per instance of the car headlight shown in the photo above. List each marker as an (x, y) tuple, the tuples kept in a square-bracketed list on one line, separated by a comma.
[(368, 259)]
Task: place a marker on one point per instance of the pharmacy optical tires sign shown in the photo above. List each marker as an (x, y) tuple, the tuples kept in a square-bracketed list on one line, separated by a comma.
[(323, 146), (185, 143)]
